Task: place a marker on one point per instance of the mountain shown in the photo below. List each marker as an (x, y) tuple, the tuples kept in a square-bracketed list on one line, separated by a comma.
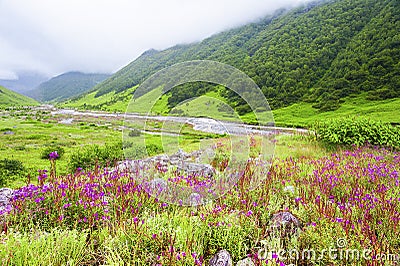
[(10, 98), (317, 54), (26, 81), (65, 86)]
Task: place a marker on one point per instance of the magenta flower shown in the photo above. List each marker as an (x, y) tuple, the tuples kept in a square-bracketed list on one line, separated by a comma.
[(53, 155)]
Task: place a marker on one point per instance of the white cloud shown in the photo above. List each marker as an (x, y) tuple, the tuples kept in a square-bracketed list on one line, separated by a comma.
[(8, 75), (54, 36)]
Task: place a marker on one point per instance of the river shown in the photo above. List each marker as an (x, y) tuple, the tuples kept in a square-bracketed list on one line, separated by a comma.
[(199, 123)]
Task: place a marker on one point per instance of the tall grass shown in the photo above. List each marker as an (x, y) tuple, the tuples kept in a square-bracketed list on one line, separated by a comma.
[(108, 217)]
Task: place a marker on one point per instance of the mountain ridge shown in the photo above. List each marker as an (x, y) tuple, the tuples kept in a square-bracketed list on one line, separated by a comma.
[(66, 85), (301, 55)]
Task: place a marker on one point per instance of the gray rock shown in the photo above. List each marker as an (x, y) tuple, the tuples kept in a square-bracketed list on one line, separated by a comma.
[(195, 199), (180, 155), (284, 224), (184, 162), (5, 195), (221, 258), (245, 262), (158, 185), (8, 132), (193, 168)]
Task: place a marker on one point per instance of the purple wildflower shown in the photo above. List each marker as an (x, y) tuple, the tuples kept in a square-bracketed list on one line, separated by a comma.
[(53, 155)]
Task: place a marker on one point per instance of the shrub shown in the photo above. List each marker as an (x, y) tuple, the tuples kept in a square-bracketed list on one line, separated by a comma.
[(126, 144), (134, 133), (136, 152), (141, 151), (357, 131), (90, 156), (51, 148), (153, 149), (10, 169)]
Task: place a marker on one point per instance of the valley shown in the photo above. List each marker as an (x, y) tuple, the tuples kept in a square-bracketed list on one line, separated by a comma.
[(129, 155)]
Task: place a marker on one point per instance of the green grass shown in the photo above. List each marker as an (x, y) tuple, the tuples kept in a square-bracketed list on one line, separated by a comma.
[(302, 114), (296, 115), (145, 233), (31, 137), (10, 98), (116, 102), (146, 104)]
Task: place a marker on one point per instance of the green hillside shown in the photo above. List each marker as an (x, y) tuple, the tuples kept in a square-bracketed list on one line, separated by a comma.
[(66, 86), (10, 98), (320, 56)]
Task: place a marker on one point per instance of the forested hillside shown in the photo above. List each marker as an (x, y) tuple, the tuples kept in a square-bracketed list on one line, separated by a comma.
[(65, 86), (319, 53)]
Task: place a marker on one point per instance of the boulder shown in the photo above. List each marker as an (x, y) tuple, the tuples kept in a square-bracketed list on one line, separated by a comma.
[(5, 196), (221, 258), (195, 199), (180, 155), (157, 185), (284, 224), (197, 168)]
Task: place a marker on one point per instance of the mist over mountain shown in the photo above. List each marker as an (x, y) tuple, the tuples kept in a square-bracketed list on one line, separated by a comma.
[(319, 53), (25, 81)]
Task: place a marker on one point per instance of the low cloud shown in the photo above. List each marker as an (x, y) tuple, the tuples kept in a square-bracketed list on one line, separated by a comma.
[(53, 37)]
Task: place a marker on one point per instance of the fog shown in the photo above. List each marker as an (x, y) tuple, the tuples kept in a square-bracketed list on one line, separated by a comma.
[(52, 37)]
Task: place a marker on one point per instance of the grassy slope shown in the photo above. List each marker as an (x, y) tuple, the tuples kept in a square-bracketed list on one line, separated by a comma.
[(10, 98), (107, 102), (208, 106), (297, 115), (145, 103), (303, 114)]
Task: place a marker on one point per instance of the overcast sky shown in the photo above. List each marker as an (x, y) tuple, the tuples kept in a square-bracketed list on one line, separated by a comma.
[(56, 36)]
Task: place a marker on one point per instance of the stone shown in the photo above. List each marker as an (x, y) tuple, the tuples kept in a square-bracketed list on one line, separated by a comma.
[(5, 196), (193, 168), (195, 199), (245, 262), (221, 258), (180, 155), (157, 185), (284, 224)]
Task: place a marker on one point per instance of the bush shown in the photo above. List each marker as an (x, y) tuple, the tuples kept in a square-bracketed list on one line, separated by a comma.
[(140, 151), (134, 133), (357, 131), (10, 169), (50, 148), (90, 156), (136, 152)]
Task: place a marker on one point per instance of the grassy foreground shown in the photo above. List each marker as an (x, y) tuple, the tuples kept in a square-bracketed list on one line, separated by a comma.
[(107, 217), (346, 199)]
